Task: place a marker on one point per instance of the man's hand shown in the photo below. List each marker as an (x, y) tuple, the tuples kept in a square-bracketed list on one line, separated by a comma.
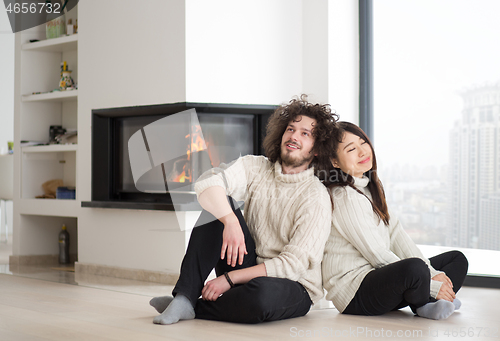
[(233, 241), (214, 288), (214, 200)]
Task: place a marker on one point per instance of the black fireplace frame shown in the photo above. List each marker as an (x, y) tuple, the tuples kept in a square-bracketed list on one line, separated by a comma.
[(103, 150)]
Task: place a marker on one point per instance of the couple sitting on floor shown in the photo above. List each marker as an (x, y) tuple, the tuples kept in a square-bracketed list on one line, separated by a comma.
[(315, 217)]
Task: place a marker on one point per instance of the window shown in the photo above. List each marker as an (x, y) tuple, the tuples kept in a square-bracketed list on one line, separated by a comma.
[(436, 119)]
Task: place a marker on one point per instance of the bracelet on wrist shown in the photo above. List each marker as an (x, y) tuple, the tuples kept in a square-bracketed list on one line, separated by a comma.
[(228, 279)]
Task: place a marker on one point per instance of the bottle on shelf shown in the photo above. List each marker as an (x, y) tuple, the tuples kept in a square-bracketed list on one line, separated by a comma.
[(63, 246), (69, 27)]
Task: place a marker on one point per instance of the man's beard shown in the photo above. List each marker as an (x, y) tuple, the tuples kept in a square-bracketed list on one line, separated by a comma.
[(287, 160)]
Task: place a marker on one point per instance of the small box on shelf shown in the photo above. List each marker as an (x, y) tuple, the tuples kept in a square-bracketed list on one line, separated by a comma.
[(65, 193)]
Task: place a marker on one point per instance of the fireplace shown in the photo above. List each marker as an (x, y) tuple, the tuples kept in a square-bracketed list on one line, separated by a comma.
[(149, 157)]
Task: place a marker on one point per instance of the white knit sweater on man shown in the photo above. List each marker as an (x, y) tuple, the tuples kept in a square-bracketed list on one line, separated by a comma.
[(360, 242), (288, 215)]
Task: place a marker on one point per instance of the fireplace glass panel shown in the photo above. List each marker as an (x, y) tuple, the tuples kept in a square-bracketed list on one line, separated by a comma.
[(226, 137)]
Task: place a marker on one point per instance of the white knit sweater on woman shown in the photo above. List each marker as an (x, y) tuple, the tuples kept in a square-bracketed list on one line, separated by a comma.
[(288, 215), (360, 242)]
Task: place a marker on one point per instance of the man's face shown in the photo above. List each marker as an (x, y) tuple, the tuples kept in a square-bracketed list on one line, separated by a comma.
[(297, 143)]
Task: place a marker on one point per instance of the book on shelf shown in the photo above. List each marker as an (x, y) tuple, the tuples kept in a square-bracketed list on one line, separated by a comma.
[(26, 143)]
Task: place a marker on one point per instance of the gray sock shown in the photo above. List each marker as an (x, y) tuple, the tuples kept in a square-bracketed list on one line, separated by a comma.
[(438, 310), (161, 303), (179, 309), (457, 303)]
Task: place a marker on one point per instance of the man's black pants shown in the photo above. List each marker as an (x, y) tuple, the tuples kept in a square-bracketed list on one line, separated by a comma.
[(261, 299)]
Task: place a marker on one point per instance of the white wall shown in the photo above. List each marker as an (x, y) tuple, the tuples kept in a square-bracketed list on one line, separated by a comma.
[(6, 81), (343, 53), (315, 50), (260, 51), (127, 55), (243, 51)]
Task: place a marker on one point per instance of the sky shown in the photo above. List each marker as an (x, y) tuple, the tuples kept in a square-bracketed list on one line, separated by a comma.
[(425, 53)]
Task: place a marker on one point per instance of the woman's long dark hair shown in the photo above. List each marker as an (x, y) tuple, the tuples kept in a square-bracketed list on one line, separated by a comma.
[(340, 179)]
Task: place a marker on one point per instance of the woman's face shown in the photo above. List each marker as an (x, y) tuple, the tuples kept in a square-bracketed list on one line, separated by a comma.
[(354, 155)]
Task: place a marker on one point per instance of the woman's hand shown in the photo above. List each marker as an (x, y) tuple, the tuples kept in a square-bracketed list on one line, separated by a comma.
[(443, 278), (446, 293), (233, 242), (214, 288)]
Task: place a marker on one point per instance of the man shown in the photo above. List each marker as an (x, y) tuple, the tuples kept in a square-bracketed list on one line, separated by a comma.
[(269, 262)]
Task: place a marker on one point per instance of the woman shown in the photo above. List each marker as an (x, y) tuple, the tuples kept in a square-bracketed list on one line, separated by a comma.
[(370, 265)]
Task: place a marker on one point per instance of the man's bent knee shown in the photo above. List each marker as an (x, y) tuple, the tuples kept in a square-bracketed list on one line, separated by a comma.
[(276, 298)]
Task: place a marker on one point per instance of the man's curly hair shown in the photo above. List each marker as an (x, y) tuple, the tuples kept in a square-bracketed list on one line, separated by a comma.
[(325, 131)]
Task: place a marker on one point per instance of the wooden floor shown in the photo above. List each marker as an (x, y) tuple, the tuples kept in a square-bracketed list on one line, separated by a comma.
[(48, 304), (36, 309)]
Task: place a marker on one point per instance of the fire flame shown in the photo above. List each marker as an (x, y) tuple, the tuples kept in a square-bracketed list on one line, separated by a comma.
[(196, 144)]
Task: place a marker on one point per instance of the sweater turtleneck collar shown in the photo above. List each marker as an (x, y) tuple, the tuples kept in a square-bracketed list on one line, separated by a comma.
[(361, 182), (292, 178)]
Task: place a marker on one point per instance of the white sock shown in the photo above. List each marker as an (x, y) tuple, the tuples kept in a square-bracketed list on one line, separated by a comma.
[(438, 310), (457, 303), (179, 309)]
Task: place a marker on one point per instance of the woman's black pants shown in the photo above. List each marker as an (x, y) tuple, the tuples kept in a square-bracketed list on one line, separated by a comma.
[(403, 283), (261, 299)]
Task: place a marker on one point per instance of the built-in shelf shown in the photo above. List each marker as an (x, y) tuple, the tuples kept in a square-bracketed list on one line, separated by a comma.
[(56, 96), (49, 207), (40, 105), (51, 148), (62, 44)]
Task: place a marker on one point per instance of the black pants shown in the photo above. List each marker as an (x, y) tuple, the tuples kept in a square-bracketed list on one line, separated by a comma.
[(261, 299), (403, 283)]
